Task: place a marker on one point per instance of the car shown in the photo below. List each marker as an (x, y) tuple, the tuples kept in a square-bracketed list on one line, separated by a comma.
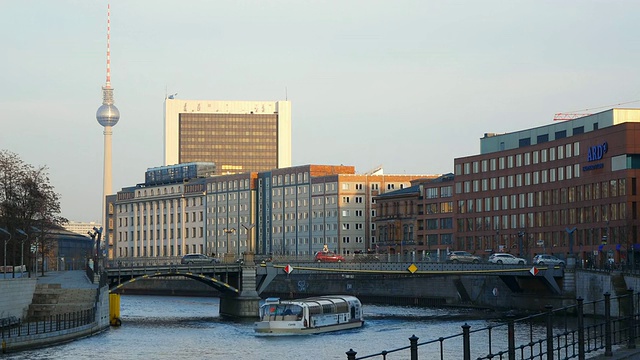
[(328, 256), (198, 259), (544, 259), (462, 256), (504, 258)]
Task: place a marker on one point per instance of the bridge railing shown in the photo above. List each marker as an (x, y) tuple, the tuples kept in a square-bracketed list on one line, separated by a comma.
[(563, 333)]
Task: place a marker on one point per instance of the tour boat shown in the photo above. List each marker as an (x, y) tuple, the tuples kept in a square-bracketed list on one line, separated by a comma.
[(309, 316)]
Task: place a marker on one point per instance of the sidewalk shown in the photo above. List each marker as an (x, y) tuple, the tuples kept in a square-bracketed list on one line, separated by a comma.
[(73, 279), (620, 354)]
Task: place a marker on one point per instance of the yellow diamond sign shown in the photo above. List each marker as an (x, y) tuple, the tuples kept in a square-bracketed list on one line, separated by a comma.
[(413, 268)]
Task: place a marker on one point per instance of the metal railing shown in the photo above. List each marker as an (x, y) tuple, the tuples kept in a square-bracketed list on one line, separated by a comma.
[(564, 333), (49, 324)]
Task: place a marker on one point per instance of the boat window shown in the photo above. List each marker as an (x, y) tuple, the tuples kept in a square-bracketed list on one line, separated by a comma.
[(284, 309)]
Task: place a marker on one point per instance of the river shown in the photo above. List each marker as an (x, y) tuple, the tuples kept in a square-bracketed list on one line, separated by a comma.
[(157, 327)]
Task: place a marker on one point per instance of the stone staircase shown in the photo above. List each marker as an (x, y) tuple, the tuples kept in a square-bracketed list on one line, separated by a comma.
[(51, 299)]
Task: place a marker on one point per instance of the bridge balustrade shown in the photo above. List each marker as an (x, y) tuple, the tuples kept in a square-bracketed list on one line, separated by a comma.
[(563, 333)]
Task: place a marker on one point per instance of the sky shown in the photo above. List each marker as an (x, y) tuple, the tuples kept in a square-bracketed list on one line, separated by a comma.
[(409, 85)]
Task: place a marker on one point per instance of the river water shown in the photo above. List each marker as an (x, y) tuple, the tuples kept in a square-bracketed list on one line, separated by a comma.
[(157, 327)]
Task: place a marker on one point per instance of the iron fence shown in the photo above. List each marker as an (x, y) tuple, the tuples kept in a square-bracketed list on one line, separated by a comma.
[(49, 324), (564, 333)]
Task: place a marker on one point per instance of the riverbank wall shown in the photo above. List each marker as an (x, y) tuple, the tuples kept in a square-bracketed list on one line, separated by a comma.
[(15, 298), (67, 306)]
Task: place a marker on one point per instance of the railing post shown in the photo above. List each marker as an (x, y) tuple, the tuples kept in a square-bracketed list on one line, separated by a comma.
[(549, 309), (607, 325), (351, 355), (632, 321), (413, 341), (580, 328), (466, 342), (512, 339)]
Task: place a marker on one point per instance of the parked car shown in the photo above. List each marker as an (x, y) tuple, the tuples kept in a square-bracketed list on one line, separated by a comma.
[(504, 258), (545, 259), (198, 259), (462, 256), (328, 256)]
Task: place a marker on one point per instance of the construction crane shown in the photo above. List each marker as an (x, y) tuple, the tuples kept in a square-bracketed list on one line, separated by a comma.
[(568, 116), (571, 115)]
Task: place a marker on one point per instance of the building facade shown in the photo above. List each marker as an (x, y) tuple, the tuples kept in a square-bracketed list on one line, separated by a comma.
[(566, 188), (294, 211), (238, 136), (417, 220), (81, 228)]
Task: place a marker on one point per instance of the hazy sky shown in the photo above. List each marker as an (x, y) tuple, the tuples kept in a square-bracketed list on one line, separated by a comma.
[(409, 85)]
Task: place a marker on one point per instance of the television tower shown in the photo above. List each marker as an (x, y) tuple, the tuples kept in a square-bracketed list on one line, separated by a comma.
[(108, 116)]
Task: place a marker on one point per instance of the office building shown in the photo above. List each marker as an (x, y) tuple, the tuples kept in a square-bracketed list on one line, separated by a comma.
[(566, 188), (238, 136)]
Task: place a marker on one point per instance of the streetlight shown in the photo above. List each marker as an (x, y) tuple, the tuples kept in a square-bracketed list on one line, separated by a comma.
[(228, 231), (4, 269), (249, 242), (26, 237)]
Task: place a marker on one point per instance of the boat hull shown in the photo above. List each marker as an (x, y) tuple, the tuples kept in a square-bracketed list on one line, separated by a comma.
[(297, 328)]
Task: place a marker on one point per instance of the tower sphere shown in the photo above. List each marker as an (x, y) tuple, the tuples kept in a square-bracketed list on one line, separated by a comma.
[(108, 115)]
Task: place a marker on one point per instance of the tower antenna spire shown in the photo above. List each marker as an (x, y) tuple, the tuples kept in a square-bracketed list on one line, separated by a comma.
[(108, 84), (107, 116)]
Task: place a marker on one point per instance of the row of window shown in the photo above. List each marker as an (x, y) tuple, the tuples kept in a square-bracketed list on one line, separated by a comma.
[(533, 178), (161, 204), (524, 159), (564, 217), (565, 195), (442, 191), (194, 232)]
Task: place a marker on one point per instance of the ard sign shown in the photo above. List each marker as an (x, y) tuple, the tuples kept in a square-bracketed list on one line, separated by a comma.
[(597, 152)]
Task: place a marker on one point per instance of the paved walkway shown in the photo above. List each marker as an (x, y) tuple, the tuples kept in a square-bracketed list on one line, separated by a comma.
[(620, 354), (74, 279)]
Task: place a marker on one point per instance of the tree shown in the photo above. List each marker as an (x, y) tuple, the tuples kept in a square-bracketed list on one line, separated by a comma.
[(28, 202)]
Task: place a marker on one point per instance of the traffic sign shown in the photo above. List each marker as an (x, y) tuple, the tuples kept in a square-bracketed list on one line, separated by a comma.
[(288, 269), (534, 271)]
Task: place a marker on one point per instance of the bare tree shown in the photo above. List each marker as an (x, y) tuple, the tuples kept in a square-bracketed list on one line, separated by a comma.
[(28, 202)]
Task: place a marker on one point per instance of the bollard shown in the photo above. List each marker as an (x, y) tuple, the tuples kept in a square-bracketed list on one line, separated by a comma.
[(413, 340), (512, 340), (580, 328), (607, 325), (351, 355), (549, 332), (466, 342), (632, 324)]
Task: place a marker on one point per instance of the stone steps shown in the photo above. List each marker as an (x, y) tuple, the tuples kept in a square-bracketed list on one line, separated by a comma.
[(52, 299)]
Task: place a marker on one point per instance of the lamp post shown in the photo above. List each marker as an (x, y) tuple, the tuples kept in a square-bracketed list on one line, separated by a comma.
[(26, 237), (4, 269), (228, 231), (249, 242)]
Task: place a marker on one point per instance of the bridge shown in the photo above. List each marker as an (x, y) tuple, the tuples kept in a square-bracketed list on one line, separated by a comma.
[(240, 285)]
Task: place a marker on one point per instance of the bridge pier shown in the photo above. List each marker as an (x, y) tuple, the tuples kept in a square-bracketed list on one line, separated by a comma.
[(246, 304)]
